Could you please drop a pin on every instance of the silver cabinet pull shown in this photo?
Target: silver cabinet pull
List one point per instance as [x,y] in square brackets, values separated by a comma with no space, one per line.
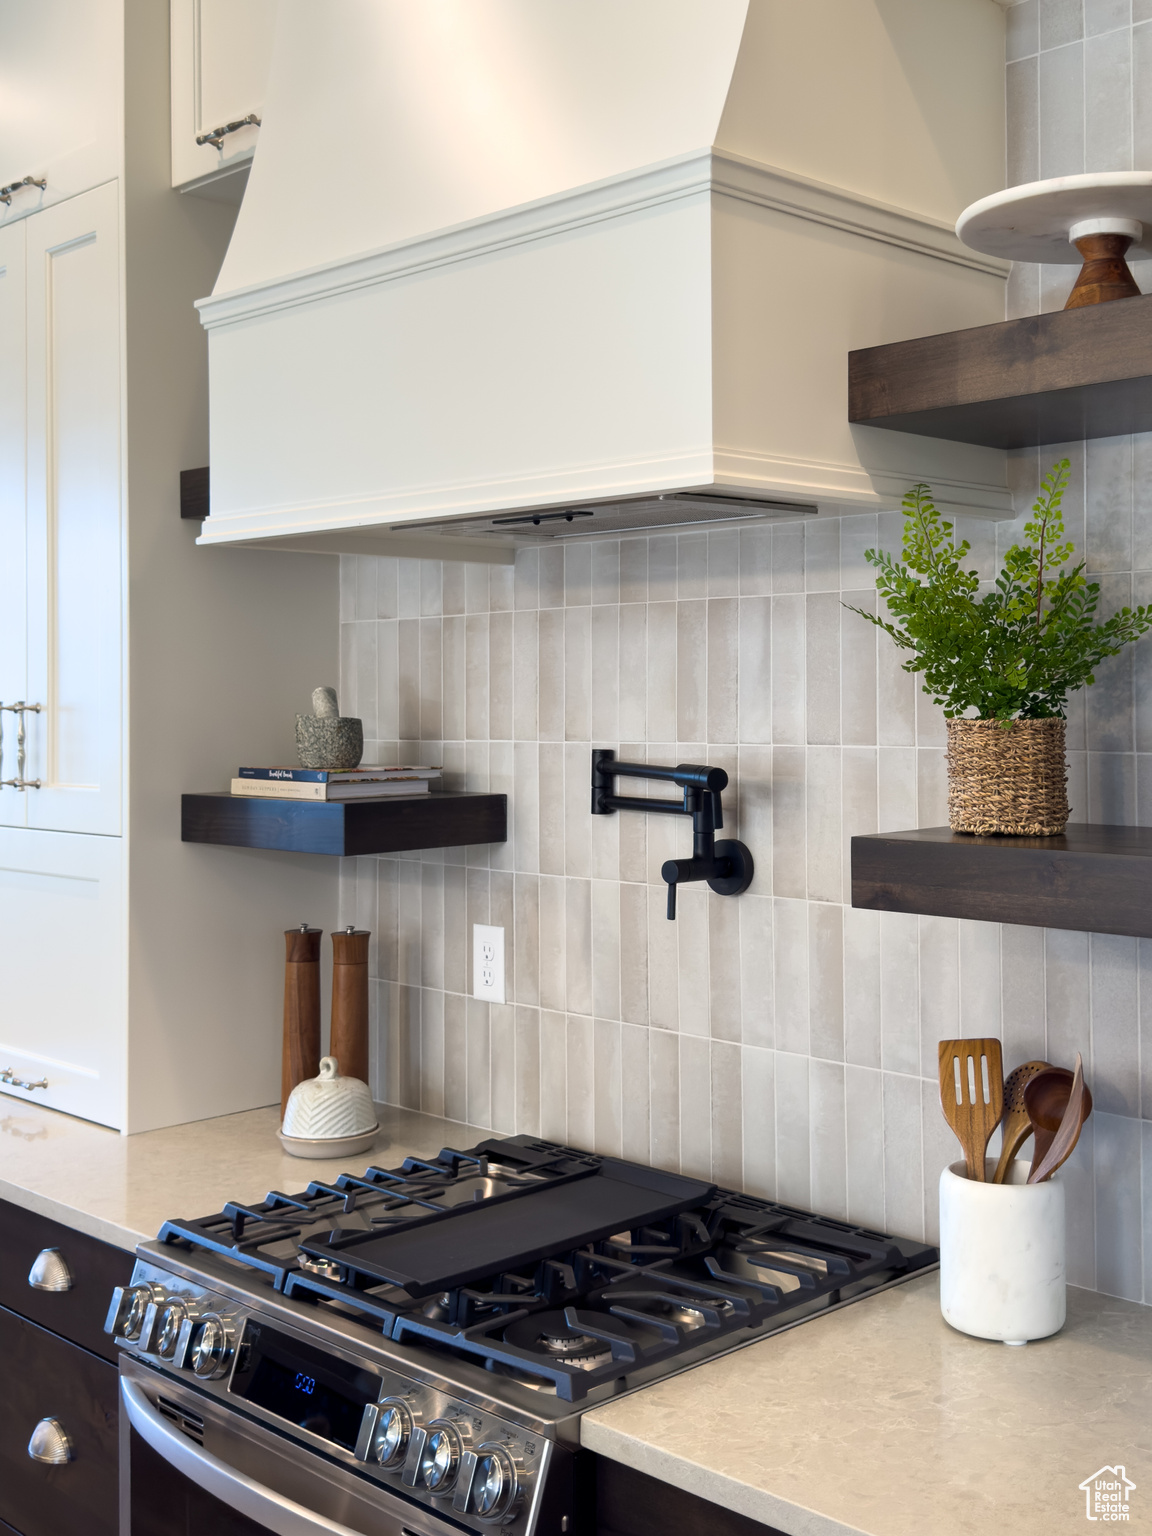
[50,1272]
[8,1078]
[14,186]
[19,782]
[49,1443]
[217,135]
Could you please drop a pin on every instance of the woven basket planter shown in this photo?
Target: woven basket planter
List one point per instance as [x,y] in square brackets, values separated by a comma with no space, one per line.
[1010,781]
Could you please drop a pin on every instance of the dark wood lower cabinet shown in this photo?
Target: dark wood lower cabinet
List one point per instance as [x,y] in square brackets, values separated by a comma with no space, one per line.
[46,1377]
[630,1503]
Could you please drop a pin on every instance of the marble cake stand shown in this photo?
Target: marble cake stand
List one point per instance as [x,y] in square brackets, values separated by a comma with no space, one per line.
[1096,219]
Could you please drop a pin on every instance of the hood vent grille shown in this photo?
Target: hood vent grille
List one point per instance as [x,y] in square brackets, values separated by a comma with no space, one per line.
[644,514]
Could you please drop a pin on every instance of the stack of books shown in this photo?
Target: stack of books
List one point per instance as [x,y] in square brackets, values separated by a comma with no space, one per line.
[331,783]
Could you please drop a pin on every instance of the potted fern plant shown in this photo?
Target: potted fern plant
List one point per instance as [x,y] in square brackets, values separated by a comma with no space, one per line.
[1003,661]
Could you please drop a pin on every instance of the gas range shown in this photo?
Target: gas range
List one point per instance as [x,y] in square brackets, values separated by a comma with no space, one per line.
[435,1330]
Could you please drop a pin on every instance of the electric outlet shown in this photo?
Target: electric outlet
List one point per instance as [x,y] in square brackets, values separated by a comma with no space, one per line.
[488,963]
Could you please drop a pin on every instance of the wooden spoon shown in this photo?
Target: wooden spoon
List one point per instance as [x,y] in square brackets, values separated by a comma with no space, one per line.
[1015,1128]
[1058,1104]
[972,1117]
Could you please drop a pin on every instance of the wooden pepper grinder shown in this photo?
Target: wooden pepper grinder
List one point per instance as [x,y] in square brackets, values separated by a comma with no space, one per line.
[301,1056]
[349,1043]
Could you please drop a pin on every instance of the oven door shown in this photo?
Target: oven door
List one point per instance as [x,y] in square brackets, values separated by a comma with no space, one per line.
[191,1464]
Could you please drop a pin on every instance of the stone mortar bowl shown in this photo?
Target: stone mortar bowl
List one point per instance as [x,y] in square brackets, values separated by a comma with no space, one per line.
[333,742]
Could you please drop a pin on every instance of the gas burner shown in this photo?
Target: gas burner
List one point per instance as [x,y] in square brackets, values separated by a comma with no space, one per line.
[548,1333]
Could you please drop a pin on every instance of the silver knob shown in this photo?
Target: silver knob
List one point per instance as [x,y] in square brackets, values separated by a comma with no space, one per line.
[495,1484]
[440,1462]
[129,1307]
[211,1347]
[50,1272]
[50,1444]
[170,1319]
[394,1425]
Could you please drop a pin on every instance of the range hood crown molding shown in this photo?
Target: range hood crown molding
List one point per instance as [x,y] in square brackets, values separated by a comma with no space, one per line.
[675,326]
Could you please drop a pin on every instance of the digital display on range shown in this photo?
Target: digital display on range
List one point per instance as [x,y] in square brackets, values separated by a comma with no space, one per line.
[312,1390]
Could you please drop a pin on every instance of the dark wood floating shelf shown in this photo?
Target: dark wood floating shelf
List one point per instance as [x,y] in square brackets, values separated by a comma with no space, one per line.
[445,820]
[1052,378]
[1095,878]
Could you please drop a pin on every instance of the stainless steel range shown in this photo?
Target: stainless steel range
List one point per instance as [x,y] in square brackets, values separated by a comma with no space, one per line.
[409,1351]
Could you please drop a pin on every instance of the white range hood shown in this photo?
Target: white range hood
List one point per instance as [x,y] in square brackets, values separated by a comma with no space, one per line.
[500,261]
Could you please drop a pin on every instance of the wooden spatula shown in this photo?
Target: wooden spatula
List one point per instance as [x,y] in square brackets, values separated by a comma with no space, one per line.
[972,1109]
[1015,1126]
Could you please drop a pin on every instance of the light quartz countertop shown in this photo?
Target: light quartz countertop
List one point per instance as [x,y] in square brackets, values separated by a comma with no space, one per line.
[123,1188]
[880,1419]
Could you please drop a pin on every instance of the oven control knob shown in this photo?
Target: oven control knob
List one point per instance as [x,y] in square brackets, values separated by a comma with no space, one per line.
[495,1484]
[129,1307]
[212,1346]
[395,1421]
[447,1441]
[171,1316]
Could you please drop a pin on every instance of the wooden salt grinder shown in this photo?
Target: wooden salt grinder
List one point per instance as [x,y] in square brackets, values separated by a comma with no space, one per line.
[349,1043]
[301,1055]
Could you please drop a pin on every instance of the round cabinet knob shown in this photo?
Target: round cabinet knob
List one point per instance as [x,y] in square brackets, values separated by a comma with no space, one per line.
[49,1444]
[495,1484]
[440,1464]
[50,1272]
[393,1432]
[211,1347]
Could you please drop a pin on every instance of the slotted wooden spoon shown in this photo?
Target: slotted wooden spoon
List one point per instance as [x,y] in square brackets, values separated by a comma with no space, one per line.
[971,1111]
[1015,1126]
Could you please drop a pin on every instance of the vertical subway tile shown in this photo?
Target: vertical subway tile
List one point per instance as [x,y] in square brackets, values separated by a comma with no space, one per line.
[1117,1167]
[1113,983]
[554,1076]
[724,562]
[691,566]
[721,691]
[578,673]
[550,577]
[552,945]
[862,987]
[606,571]
[751,811]
[526,940]
[822,668]
[790,951]
[608,1127]
[578,821]
[695,1106]
[722,966]
[528,1071]
[550,675]
[1061,98]
[823,792]
[578,945]
[634,953]
[754,669]
[476,672]
[692,958]
[980,996]
[788,557]
[789,856]
[432,1053]
[633,571]
[501,676]
[1023,120]
[635,1093]
[691,671]
[1061,21]
[1022,993]
[1141,97]
[903,1156]
[896,789]
[502,1029]
[581,1082]
[899,993]
[663,964]
[822,554]
[605,674]
[727,1116]
[552,808]
[858,770]
[788,710]
[793,1130]
[1108,101]
[756,971]
[455,1057]
[577,574]
[939,987]
[940,1151]
[1022,25]
[661,671]
[826,980]
[827,1151]
[858,672]
[662,555]
[758,1120]
[1069,1004]
[864,1146]
[756,560]
[606,949]
[526,671]
[664,1098]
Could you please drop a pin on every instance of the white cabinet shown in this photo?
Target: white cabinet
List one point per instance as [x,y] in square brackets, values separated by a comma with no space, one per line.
[221,55]
[74,548]
[61,72]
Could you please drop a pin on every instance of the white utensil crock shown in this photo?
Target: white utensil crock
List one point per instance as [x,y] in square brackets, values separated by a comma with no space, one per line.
[1002,1255]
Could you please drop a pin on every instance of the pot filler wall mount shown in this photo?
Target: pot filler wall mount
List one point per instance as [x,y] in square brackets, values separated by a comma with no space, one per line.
[726,865]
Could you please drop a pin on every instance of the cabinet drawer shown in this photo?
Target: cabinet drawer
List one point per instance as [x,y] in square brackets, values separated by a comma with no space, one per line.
[46,1377]
[96,1268]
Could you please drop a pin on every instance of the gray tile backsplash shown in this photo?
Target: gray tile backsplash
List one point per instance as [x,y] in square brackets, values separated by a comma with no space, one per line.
[784,1042]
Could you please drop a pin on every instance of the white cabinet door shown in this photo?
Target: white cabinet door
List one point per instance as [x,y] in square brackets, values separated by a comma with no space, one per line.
[74,522]
[62,1020]
[61,94]
[221,53]
[13,617]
